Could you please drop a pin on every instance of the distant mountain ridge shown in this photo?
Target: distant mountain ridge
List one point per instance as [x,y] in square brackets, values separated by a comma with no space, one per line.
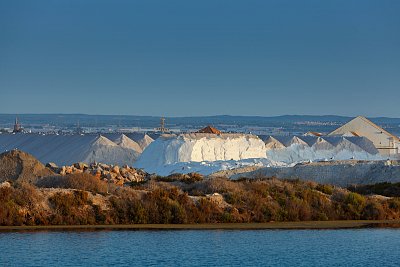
[72,120]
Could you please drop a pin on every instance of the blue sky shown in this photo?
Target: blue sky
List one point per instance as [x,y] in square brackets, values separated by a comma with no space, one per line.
[179,58]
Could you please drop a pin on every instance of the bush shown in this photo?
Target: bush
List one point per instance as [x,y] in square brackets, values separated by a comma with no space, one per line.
[9,209]
[72,208]
[164,206]
[66,202]
[178,177]
[384,189]
[128,209]
[79,181]
[373,211]
[324,188]
[353,205]
[394,204]
[354,199]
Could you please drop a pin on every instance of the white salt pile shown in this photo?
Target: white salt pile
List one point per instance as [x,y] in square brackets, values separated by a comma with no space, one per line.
[68,149]
[105,151]
[128,143]
[141,138]
[170,150]
[196,152]
[207,153]
[305,148]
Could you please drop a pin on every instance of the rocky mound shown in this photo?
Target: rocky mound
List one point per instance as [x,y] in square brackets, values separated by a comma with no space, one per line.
[16,165]
[110,173]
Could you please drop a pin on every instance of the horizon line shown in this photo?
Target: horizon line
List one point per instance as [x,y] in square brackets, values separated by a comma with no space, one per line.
[198,116]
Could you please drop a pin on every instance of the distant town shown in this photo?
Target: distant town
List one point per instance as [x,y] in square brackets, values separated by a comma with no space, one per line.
[80,123]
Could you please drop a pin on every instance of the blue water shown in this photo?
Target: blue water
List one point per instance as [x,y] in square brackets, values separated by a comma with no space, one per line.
[361,247]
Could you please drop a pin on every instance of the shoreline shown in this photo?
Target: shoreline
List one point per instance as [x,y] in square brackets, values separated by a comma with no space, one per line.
[302,225]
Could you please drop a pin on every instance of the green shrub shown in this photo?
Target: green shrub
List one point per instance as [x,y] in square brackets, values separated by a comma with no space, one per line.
[324,188]
[354,199]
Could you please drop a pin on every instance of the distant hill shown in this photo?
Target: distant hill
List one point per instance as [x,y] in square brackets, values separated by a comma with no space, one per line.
[71,120]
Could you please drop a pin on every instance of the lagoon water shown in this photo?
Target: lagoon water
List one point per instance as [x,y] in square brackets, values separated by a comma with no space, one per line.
[355,247]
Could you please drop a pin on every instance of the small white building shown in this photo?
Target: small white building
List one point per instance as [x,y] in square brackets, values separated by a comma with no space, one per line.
[386,143]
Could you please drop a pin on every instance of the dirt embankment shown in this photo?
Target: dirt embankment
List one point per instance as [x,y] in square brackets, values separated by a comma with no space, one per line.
[19,166]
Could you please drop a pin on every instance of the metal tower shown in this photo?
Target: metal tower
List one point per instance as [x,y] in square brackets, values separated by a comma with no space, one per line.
[162,126]
[17,126]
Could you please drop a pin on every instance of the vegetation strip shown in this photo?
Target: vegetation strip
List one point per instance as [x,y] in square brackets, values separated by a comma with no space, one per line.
[29,196]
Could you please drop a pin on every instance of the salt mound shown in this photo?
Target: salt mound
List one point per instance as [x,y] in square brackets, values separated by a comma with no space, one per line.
[322,144]
[142,139]
[199,147]
[145,141]
[103,141]
[273,143]
[364,143]
[310,140]
[290,140]
[68,149]
[16,165]
[125,142]
[318,143]
[325,148]
[106,151]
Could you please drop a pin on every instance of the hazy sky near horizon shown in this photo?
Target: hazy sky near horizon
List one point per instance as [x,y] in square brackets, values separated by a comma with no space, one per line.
[208,57]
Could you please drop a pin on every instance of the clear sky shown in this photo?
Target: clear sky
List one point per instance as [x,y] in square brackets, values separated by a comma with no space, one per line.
[207,57]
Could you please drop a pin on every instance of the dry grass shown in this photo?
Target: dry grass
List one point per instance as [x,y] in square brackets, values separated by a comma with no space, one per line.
[80,181]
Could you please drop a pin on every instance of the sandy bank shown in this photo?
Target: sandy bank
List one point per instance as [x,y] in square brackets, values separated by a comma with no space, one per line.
[217,226]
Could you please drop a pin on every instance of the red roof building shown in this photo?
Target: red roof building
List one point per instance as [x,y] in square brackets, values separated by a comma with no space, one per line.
[209,129]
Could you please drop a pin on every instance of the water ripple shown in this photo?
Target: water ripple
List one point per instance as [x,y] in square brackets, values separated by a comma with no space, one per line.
[362,247]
